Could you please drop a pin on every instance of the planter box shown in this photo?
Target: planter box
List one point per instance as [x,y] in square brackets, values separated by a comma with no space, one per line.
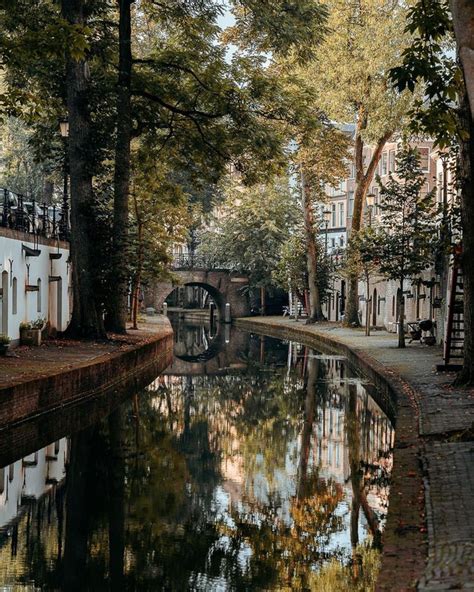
[4,348]
[30,337]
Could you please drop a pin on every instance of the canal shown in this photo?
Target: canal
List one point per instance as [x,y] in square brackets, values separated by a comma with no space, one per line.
[250,464]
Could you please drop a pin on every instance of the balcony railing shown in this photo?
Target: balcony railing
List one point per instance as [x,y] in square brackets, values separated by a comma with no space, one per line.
[21,213]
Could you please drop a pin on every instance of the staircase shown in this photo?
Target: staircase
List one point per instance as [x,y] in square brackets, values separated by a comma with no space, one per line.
[454,342]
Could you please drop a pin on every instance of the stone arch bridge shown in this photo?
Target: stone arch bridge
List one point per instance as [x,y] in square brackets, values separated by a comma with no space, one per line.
[224,287]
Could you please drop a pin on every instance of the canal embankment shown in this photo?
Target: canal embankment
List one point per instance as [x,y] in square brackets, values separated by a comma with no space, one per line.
[39,381]
[428,542]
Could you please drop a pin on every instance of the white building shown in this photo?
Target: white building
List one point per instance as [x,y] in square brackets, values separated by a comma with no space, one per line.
[35,281]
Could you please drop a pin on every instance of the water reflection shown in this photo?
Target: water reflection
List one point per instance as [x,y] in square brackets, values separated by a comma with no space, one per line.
[268,473]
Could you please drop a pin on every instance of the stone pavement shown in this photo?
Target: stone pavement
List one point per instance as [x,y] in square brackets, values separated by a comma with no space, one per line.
[445,446]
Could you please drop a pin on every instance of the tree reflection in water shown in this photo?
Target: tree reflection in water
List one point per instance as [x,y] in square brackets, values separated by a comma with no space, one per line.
[273,477]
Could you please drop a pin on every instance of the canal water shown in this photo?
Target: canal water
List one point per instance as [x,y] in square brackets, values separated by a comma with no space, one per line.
[250,464]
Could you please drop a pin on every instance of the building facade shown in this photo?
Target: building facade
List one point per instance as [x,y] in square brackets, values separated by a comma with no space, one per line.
[35,282]
[425,296]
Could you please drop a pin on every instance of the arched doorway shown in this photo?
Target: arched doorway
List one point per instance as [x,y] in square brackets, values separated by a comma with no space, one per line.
[4,307]
[374,308]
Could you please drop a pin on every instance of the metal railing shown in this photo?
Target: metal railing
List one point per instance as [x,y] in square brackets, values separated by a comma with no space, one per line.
[21,213]
[192,261]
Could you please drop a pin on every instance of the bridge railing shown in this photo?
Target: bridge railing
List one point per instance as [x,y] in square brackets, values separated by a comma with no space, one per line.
[189,261]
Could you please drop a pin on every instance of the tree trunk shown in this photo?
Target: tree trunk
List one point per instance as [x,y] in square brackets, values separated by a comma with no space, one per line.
[309,413]
[77,515]
[136,284]
[466,167]
[463,23]
[401,317]
[315,312]
[117,314]
[363,181]
[262,301]
[86,319]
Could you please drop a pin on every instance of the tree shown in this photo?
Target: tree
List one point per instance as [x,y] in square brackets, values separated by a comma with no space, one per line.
[118,307]
[158,219]
[447,115]
[86,315]
[363,259]
[177,88]
[322,158]
[366,39]
[407,227]
[291,272]
[250,229]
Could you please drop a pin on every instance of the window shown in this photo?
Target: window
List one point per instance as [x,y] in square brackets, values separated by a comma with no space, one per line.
[341,214]
[424,158]
[333,215]
[333,243]
[391,161]
[393,306]
[351,202]
[384,163]
[341,241]
[38,301]
[15,296]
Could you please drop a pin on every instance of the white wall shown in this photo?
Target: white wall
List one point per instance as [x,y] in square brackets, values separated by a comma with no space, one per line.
[18,269]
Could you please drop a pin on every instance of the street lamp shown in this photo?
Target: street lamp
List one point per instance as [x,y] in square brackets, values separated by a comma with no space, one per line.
[326,217]
[64,130]
[370,200]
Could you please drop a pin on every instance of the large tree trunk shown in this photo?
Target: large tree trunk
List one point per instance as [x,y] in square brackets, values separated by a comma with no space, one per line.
[363,180]
[315,312]
[87,314]
[117,314]
[77,516]
[466,167]
[463,23]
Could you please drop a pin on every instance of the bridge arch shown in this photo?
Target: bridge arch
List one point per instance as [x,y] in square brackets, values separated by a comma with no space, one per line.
[213,292]
[223,286]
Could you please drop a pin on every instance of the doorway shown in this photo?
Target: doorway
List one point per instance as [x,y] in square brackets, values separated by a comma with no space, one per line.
[4,307]
[374,308]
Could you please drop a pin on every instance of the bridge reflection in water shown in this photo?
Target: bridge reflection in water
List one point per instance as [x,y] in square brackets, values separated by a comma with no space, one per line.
[257,464]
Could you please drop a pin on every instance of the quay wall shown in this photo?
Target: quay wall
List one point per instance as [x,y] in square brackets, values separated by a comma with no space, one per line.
[34,398]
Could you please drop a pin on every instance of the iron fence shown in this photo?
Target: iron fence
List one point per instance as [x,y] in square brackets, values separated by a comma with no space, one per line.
[21,213]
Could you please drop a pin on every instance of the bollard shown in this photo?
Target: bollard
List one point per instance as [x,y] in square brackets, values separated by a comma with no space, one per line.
[227,333]
[227,317]
[165,309]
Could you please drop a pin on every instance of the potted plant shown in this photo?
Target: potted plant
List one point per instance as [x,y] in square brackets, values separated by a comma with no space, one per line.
[4,344]
[30,333]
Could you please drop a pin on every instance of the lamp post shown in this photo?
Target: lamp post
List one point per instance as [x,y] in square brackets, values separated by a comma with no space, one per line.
[327,217]
[370,200]
[64,227]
